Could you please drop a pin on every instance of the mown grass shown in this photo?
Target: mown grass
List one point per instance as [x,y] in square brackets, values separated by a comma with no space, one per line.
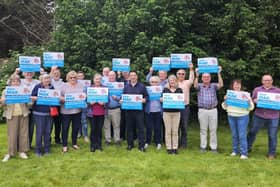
[118,167]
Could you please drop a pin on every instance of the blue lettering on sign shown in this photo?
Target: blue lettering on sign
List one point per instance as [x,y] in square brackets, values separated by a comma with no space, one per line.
[264,97]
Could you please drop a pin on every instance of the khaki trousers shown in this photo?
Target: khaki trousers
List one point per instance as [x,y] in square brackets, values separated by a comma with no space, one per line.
[18,139]
[171,123]
[114,116]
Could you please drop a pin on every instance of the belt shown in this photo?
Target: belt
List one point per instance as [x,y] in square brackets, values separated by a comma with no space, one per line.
[114,108]
[206,108]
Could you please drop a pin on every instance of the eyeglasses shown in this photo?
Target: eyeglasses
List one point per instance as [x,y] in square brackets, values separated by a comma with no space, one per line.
[154,81]
[73,77]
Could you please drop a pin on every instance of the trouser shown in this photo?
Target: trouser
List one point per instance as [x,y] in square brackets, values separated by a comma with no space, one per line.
[84,127]
[57,128]
[76,123]
[171,122]
[17,135]
[208,119]
[96,124]
[153,124]
[123,125]
[183,128]
[134,120]
[114,116]
[30,127]
[43,132]
[272,129]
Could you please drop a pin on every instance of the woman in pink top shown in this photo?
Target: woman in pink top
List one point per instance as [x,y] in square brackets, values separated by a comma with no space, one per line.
[97,119]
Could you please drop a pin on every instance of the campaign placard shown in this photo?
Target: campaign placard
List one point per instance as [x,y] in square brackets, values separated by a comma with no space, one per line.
[173,100]
[97,94]
[115,88]
[48,97]
[208,65]
[29,63]
[161,63]
[121,64]
[85,83]
[180,60]
[268,100]
[53,59]
[75,100]
[238,99]
[17,94]
[132,102]
[154,92]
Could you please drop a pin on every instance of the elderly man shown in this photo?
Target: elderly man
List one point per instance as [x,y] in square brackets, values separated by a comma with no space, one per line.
[185,85]
[114,114]
[265,117]
[207,109]
[161,74]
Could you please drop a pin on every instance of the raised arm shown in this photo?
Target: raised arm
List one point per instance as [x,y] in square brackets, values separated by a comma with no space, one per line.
[220,79]
[195,84]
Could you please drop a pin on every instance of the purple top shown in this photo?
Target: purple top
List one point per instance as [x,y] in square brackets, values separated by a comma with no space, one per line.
[207,96]
[262,112]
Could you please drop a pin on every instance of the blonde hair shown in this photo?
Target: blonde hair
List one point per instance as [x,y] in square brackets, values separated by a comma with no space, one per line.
[154,78]
[71,74]
[45,75]
[170,77]
[13,77]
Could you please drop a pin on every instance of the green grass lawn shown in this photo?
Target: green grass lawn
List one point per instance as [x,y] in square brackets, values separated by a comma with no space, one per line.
[118,167]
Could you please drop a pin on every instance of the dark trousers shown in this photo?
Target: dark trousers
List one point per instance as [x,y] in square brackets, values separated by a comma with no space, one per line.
[57,127]
[135,120]
[183,132]
[153,124]
[123,125]
[96,125]
[76,123]
[30,127]
[43,132]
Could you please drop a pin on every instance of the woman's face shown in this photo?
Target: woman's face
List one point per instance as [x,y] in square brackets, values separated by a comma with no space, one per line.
[236,86]
[172,83]
[72,79]
[97,81]
[15,82]
[46,81]
[154,82]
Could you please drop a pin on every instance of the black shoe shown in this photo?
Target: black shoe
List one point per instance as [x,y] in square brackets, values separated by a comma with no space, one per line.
[169,151]
[58,142]
[107,143]
[203,150]
[142,149]
[175,151]
[214,151]
[100,149]
[92,149]
[183,146]
[129,147]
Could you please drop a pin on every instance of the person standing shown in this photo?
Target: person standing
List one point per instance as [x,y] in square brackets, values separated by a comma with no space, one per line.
[265,117]
[135,117]
[238,119]
[207,109]
[185,85]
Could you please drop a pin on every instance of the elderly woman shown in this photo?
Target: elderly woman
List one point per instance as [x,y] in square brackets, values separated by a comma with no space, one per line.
[153,112]
[72,115]
[171,117]
[42,118]
[17,122]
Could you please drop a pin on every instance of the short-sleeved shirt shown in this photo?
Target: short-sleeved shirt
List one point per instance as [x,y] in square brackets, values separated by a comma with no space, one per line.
[207,96]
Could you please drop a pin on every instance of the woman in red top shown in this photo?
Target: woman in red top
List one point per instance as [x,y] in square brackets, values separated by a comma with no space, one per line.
[97,120]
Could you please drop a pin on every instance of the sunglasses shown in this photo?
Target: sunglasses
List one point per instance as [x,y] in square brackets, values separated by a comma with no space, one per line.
[72,77]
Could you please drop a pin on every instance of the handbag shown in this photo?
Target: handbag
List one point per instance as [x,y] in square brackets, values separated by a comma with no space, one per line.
[54,111]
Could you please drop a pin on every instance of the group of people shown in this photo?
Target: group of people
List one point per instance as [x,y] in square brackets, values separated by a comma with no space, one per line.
[120,124]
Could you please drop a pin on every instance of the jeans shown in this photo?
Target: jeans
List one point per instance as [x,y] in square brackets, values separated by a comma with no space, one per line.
[30,127]
[238,126]
[76,123]
[153,123]
[184,125]
[272,127]
[134,120]
[84,126]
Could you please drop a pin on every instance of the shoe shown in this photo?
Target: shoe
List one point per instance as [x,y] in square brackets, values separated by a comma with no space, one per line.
[92,149]
[142,149]
[169,151]
[118,143]
[100,149]
[243,157]
[146,145]
[6,158]
[175,151]
[38,155]
[79,135]
[86,139]
[203,150]
[271,157]
[158,146]
[76,147]
[47,153]
[64,150]
[107,143]
[214,151]
[58,142]
[183,146]
[233,154]
[23,155]
[129,147]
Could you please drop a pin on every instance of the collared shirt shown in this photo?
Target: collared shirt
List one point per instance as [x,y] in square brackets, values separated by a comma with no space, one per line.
[207,96]
[266,113]
[57,84]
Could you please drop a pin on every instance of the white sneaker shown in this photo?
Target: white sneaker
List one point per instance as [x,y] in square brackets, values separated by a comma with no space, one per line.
[158,146]
[146,146]
[243,157]
[233,154]
[23,155]
[6,158]
[86,139]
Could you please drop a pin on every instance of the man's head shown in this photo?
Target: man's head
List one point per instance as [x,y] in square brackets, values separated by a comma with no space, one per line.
[80,75]
[181,74]
[267,81]
[162,75]
[112,76]
[206,78]
[105,71]
[133,77]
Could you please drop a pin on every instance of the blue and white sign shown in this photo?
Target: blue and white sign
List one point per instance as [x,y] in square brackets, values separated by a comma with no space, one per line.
[115,88]
[268,100]
[97,94]
[85,83]
[173,101]
[29,63]
[75,100]
[161,63]
[180,60]
[208,65]
[17,94]
[238,99]
[48,97]
[132,102]
[121,64]
[53,59]
[154,92]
